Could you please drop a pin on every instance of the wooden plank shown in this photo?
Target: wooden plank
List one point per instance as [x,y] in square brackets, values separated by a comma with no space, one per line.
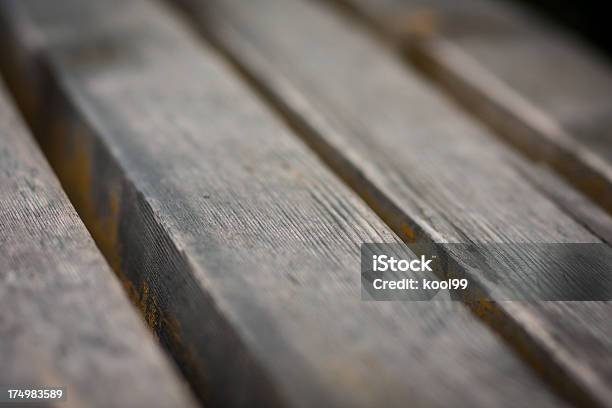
[413,20]
[583,210]
[64,320]
[427,170]
[544,92]
[242,247]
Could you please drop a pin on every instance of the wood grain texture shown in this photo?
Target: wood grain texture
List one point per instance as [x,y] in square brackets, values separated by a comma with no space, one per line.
[242,248]
[544,92]
[570,200]
[427,170]
[64,320]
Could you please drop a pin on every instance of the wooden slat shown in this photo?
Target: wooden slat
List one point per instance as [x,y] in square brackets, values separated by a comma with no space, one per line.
[575,204]
[241,246]
[64,320]
[544,92]
[430,173]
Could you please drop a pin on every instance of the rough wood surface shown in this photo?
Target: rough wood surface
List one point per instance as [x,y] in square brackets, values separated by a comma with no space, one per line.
[545,92]
[242,248]
[64,320]
[429,172]
[583,210]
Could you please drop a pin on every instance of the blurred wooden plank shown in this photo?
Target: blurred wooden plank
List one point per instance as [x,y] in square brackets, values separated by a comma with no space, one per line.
[427,170]
[64,320]
[583,210]
[242,247]
[544,92]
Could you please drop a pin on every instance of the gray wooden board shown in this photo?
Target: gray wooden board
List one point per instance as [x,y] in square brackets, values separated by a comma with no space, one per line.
[411,19]
[544,91]
[583,210]
[429,172]
[64,320]
[242,248]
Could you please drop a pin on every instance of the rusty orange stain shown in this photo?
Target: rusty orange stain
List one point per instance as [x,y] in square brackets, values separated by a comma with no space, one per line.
[408,232]
[417,24]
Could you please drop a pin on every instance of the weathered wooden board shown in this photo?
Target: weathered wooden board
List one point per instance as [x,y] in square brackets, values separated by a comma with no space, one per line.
[583,210]
[543,91]
[242,247]
[427,170]
[64,320]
